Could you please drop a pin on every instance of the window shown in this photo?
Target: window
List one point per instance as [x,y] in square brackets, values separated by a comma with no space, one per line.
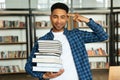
[2,3]
[46,4]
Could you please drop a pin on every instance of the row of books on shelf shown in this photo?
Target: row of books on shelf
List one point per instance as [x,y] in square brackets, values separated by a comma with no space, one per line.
[9,69]
[48,58]
[5,39]
[97,52]
[12,54]
[39,24]
[82,24]
[99,65]
[12,24]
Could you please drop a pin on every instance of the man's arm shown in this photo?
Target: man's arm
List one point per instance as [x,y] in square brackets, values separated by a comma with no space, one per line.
[98,33]
[29,64]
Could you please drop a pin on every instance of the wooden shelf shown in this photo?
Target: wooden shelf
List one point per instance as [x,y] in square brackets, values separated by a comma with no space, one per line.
[11,58]
[98,55]
[13,43]
[100,69]
[12,28]
[21,71]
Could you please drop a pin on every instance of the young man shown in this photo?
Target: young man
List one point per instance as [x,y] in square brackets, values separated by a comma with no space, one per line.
[74,55]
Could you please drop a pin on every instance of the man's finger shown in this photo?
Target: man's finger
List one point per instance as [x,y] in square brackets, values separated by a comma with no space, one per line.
[60,72]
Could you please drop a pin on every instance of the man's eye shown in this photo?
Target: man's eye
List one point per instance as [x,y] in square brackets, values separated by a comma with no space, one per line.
[54,16]
[63,17]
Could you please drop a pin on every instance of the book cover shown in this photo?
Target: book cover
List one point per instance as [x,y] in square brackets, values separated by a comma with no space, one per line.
[49,41]
[47,57]
[50,50]
[47,60]
[49,65]
[48,54]
[46,69]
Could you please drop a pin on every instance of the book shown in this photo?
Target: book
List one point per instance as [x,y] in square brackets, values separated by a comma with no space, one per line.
[46,60]
[1,23]
[44,46]
[50,50]
[47,56]
[44,54]
[51,46]
[9,68]
[49,65]
[46,69]
[37,24]
[49,41]
[100,51]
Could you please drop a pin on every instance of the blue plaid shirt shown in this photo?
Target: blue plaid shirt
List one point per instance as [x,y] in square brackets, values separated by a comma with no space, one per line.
[77,39]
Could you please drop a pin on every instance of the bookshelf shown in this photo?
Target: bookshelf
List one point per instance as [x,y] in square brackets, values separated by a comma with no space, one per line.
[13,41]
[117,36]
[114,33]
[41,24]
[41,18]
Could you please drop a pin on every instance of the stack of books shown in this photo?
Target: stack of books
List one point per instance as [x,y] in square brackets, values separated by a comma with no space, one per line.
[48,57]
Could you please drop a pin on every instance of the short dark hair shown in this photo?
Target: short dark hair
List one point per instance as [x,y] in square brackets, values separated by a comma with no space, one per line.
[59,5]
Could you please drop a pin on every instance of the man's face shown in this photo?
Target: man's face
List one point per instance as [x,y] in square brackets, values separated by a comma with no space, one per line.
[58,19]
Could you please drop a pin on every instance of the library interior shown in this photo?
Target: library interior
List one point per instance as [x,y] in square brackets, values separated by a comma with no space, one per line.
[31,49]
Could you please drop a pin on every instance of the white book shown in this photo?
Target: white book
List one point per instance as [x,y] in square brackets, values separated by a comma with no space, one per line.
[11,68]
[50,47]
[50,50]
[49,65]
[47,57]
[46,69]
[47,60]
[54,49]
[49,44]
[55,44]
[48,41]
[46,49]
[49,54]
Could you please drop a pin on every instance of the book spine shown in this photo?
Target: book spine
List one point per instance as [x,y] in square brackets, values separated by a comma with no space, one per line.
[46,60]
[47,57]
[49,65]
[46,69]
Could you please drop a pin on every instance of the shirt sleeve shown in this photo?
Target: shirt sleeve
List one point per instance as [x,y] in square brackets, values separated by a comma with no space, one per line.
[29,64]
[97,35]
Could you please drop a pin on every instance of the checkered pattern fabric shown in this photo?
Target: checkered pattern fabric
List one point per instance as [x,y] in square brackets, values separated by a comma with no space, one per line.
[77,40]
